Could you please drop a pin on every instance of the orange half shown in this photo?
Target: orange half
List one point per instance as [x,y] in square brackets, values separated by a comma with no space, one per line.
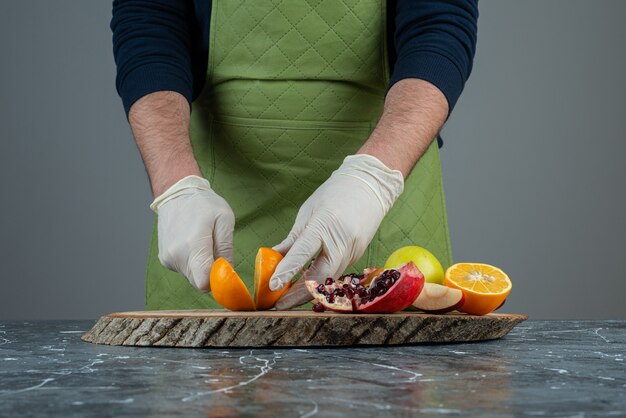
[228,289]
[485,287]
[264,265]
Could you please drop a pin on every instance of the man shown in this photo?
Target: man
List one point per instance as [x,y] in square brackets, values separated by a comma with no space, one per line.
[312,125]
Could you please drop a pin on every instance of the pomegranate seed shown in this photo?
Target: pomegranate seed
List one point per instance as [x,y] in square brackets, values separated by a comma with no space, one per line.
[330,298]
[389,282]
[321,289]
[318,307]
[329,281]
[339,292]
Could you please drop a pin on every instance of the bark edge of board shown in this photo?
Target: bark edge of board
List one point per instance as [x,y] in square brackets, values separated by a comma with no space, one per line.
[216,328]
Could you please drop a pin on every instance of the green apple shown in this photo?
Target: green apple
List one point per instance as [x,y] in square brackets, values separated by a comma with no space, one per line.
[424,260]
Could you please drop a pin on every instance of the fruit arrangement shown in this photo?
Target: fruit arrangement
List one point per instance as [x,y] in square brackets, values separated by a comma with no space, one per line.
[412,278]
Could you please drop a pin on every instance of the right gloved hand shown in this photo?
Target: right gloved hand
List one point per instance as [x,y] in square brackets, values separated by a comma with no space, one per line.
[195,226]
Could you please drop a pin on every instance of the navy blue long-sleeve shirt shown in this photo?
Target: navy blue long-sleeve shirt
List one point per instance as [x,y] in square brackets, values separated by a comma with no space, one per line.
[163,45]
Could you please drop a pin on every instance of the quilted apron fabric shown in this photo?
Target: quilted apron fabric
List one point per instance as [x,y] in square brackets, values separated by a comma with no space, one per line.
[292,87]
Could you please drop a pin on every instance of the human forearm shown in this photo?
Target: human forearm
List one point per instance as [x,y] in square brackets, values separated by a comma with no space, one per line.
[414,112]
[160,124]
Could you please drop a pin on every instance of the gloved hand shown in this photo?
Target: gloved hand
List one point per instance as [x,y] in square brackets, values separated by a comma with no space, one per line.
[195,226]
[340,218]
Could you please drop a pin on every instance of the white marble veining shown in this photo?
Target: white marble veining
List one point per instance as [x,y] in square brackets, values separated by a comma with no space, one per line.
[556,368]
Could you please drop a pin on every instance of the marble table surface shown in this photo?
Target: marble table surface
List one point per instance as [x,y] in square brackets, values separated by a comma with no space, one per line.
[542,368]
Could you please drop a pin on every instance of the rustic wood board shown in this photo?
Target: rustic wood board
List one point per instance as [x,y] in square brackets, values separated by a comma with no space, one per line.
[217,328]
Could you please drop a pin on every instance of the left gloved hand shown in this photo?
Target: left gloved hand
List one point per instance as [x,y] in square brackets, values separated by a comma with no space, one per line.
[340,218]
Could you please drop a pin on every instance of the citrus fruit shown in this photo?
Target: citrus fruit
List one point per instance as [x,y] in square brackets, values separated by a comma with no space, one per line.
[485,287]
[228,289]
[264,265]
[424,260]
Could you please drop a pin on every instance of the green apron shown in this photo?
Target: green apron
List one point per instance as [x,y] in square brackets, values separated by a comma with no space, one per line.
[293,87]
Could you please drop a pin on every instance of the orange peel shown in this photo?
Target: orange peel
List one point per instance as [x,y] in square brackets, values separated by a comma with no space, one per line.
[231,292]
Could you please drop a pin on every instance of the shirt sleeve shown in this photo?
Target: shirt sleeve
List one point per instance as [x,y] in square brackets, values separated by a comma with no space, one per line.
[151,46]
[435,40]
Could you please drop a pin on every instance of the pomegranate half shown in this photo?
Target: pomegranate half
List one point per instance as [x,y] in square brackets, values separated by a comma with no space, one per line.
[390,291]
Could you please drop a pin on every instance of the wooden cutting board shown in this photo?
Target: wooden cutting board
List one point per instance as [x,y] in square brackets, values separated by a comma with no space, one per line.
[217,328]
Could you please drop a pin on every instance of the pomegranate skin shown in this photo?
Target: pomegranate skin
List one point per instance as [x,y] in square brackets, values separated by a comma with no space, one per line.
[401,295]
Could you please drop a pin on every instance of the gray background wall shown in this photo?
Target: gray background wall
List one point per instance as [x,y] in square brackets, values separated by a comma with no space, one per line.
[533,162]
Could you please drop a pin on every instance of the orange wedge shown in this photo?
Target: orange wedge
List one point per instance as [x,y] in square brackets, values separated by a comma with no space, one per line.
[231,292]
[264,265]
[228,289]
[485,287]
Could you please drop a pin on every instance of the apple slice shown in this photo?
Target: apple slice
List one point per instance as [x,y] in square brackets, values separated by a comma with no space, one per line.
[436,298]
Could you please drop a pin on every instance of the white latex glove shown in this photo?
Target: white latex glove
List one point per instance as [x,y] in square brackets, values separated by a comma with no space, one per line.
[195,227]
[340,219]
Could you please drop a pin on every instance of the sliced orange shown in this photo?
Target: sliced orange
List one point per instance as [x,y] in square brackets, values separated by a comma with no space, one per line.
[264,265]
[228,289]
[485,287]
[231,292]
